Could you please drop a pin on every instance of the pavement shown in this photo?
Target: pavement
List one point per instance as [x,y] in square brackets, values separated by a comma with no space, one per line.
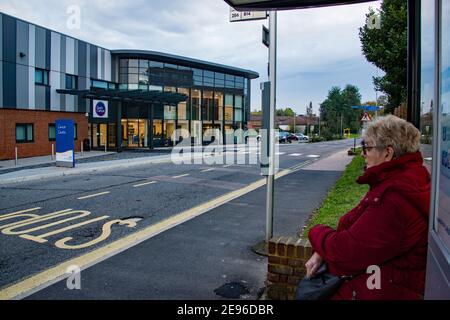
[211,256]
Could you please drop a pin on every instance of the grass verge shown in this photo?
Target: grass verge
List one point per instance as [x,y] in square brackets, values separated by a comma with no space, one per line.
[344,196]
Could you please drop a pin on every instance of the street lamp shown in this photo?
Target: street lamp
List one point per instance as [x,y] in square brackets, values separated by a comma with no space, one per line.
[295,115]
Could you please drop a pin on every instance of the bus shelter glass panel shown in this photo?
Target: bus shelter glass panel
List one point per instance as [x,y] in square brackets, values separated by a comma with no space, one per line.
[428,69]
[443,214]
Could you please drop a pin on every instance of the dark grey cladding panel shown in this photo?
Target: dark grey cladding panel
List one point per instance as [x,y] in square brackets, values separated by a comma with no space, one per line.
[48,49]
[82,55]
[23,43]
[62,84]
[1,85]
[47,98]
[1,60]
[41,39]
[23,91]
[40,97]
[1,37]
[9,85]
[94,59]
[9,39]
[80,104]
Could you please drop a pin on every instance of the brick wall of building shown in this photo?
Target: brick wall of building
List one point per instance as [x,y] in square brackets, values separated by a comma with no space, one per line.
[287,259]
[40,120]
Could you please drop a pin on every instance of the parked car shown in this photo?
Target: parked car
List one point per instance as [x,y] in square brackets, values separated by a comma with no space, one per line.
[302,137]
[293,137]
[284,137]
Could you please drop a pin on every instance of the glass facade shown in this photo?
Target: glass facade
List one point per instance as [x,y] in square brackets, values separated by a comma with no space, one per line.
[215,100]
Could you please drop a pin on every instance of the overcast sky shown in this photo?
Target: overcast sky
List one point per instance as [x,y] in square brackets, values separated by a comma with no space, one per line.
[317,48]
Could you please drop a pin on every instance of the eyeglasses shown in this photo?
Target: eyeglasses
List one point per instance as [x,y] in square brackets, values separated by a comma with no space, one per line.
[366,148]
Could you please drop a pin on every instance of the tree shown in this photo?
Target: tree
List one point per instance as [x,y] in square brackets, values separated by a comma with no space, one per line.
[309,110]
[288,112]
[337,106]
[309,114]
[387,49]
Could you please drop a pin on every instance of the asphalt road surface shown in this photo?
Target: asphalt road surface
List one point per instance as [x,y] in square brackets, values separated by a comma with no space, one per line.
[88,211]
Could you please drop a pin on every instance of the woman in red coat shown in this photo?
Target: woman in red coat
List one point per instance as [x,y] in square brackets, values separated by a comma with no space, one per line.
[389,228]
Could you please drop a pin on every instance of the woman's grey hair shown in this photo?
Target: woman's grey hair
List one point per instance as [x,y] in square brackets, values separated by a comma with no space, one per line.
[397,133]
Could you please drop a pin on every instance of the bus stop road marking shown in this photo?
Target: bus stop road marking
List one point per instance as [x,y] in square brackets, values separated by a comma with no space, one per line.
[55,274]
[94,195]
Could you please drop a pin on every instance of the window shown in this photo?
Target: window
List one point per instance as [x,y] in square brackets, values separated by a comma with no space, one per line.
[143,64]
[52,132]
[229,108]
[24,133]
[71,82]
[182,106]
[41,77]
[99,84]
[238,108]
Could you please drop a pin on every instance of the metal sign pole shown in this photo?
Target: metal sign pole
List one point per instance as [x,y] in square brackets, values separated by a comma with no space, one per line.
[273,86]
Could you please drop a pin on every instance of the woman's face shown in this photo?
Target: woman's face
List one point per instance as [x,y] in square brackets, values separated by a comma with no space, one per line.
[375,155]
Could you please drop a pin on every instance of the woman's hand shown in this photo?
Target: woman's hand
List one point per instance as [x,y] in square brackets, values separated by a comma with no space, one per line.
[313,265]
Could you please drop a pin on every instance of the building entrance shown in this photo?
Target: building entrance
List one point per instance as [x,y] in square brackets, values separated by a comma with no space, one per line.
[135,133]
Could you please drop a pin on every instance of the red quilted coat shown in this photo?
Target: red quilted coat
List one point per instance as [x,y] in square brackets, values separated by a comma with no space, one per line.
[389,228]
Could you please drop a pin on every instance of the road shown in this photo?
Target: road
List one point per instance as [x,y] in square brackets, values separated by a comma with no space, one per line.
[88,211]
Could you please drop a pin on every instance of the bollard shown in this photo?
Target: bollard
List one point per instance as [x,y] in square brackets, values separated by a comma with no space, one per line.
[17,158]
[82,149]
[106,148]
[53,152]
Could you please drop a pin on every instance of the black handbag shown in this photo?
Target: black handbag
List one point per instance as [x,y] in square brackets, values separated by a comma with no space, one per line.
[320,287]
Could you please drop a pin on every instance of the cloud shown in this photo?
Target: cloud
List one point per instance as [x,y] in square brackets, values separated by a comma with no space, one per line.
[317,48]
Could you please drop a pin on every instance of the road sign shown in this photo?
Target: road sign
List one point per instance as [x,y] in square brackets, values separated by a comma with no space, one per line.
[266,37]
[65,147]
[367,108]
[236,16]
[366,118]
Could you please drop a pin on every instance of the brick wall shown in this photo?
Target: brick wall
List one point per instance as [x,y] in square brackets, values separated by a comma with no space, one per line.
[40,119]
[287,259]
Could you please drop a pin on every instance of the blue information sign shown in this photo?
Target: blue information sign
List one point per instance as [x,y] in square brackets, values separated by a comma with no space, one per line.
[65,145]
[367,108]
